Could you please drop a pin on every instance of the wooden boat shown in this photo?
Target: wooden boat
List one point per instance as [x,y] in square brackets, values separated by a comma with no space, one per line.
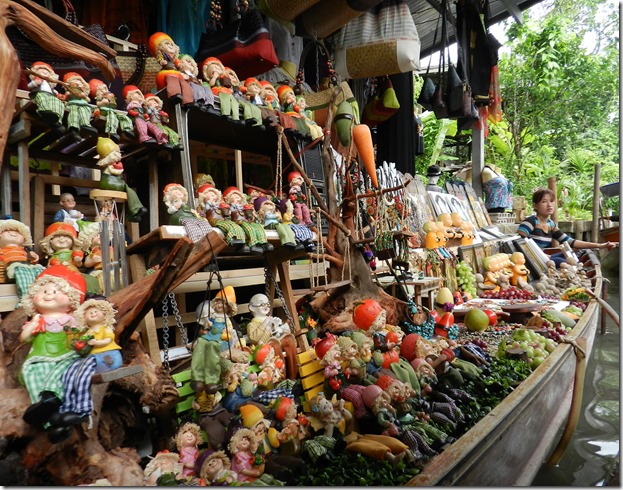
[508,446]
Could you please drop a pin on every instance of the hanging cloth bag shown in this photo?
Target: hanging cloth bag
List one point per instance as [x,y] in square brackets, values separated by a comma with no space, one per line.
[382,41]
[383,105]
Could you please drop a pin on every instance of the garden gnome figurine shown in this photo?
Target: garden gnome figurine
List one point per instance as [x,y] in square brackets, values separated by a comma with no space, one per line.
[167,54]
[42,91]
[134,100]
[77,100]
[295,194]
[107,103]
[68,212]
[175,197]
[111,179]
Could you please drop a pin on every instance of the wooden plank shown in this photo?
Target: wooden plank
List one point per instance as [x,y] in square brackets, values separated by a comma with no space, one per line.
[310,368]
[119,373]
[38,228]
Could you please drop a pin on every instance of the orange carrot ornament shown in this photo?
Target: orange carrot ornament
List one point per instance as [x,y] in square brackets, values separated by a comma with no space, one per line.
[363,142]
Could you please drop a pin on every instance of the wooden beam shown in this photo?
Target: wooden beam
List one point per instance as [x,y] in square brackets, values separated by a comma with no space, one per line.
[24,183]
[67,29]
[513,10]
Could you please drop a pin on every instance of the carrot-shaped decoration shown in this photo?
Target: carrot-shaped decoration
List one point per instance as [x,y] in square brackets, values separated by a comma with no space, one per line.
[343,120]
[363,142]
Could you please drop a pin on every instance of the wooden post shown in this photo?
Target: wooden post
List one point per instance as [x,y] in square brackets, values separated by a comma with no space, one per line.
[596,196]
[478,160]
[5,186]
[238,169]
[154,197]
[551,185]
[24,183]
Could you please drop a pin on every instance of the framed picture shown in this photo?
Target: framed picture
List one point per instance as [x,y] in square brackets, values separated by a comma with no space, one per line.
[439,203]
[479,255]
[534,262]
[466,254]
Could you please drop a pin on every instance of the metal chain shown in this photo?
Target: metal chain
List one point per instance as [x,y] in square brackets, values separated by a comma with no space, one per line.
[270,278]
[178,319]
[165,335]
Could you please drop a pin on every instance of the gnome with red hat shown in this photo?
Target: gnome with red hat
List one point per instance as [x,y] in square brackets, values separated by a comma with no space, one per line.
[295,194]
[167,53]
[58,245]
[254,232]
[153,112]
[134,99]
[77,100]
[59,389]
[42,91]
[107,103]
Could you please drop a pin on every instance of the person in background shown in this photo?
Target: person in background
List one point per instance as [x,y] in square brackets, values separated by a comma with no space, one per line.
[542,229]
[497,189]
[433,173]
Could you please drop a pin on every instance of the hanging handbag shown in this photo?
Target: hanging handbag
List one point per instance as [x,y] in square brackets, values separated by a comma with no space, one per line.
[383,105]
[425,99]
[243,45]
[382,41]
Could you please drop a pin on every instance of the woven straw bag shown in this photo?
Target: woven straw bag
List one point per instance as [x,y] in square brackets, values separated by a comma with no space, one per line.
[285,9]
[382,41]
[138,68]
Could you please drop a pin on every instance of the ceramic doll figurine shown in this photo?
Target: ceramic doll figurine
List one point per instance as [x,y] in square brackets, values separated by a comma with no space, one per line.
[270,368]
[295,194]
[213,418]
[111,178]
[302,234]
[481,286]
[433,239]
[331,416]
[214,467]
[263,326]
[50,303]
[202,94]
[58,245]
[153,112]
[520,271]
[254,232]
[214,73]
[77,100]
[167,54]
[287,100]
[209,207]
[96,319]
[134,100]
[251,113]
[246,462]
[43,93]
[175,198]
[164,469]
[187,441]
[446,226]
[269,96]
[18,260]
[468,233]
[283,467]
[271,218]
[301,107]
[206,362]
[328,352]
[355,368]
[253,90]
[68,212]
[107,103]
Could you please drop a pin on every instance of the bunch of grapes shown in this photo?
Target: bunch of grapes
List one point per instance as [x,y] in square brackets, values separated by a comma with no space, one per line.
[512,292]
[536,346]
[580,304]
[556,334]
[465,278]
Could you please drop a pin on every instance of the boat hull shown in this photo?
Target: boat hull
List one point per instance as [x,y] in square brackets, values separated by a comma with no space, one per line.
[508,446]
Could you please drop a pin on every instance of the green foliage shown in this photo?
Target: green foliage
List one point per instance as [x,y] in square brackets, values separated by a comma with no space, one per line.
[560,101]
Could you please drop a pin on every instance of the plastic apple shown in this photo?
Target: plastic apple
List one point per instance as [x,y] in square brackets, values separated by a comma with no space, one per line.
[493,317]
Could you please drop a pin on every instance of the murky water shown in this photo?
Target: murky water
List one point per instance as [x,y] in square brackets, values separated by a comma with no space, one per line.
[595,447]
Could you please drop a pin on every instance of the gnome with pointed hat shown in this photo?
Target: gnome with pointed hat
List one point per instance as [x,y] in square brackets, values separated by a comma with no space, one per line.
[111,179]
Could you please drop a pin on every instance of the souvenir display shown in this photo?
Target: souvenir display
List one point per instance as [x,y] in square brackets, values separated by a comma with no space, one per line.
[135,100]
[202,94]
[106,101]
[76,98]
[214,74]
[254,232]
[152,107]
